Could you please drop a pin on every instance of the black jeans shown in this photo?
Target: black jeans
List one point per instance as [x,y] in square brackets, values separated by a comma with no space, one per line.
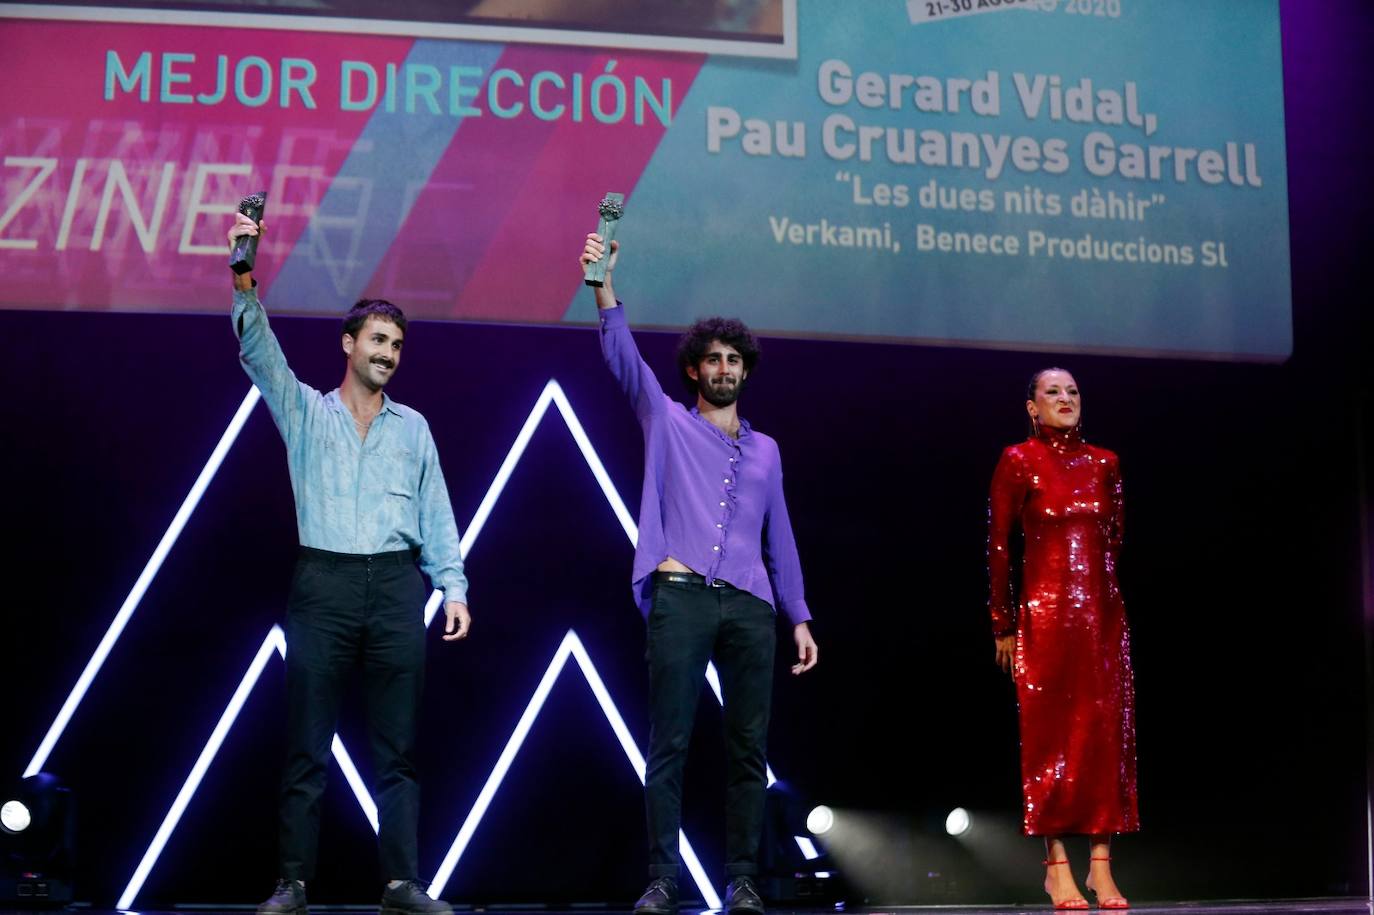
[688,625]
[345,611]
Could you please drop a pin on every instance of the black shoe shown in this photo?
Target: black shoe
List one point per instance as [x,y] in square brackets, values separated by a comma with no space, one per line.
[409,898]
[743,896]
[659,899]
[287,899]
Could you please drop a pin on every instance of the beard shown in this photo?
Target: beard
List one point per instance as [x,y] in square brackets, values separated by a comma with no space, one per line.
[719,395]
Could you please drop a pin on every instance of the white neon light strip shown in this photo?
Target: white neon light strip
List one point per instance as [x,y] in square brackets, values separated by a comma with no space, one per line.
[571,646]
[589,454]
[150,570]
[713,678]
[436,600]
[552,393]
[627,743]
[355,781]
[275,640]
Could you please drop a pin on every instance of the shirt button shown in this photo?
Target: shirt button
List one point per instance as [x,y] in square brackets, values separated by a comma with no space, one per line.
[722,505]
[727,479]
[716,548]
[718,524]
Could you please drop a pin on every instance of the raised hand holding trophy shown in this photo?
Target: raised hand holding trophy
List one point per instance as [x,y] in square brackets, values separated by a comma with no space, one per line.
[246,248]
[611,208]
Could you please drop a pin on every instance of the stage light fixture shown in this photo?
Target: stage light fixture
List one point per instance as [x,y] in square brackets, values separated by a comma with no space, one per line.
[36,827]
[126,611]
[15,817]
[958,822]
[820,820]
[793,870]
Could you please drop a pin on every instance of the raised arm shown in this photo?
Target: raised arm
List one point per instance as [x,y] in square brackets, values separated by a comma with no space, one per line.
[259,352]
[618,347]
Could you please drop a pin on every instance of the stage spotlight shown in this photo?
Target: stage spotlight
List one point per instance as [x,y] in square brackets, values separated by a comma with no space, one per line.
[36,826]
[820,820]
[958,822]
[15,817]
[794,870]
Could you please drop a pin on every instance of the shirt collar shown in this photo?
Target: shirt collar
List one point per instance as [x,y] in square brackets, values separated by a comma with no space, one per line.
[745,430]
[388,405]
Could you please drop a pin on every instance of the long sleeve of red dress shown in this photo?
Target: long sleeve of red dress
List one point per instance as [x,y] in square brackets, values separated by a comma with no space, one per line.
[1004,511]
[1072,667]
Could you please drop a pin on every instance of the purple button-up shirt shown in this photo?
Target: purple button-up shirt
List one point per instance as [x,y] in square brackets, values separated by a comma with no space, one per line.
[712,502]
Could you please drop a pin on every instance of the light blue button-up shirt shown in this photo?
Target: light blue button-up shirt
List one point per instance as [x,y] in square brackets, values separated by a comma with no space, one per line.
[353,496]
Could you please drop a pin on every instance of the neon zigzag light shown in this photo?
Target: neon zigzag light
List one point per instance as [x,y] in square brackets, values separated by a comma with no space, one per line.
[553,393]
[571,646]
[164,546]
[276,640]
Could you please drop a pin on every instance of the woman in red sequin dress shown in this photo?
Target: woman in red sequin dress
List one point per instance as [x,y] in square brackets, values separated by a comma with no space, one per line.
[1065,641]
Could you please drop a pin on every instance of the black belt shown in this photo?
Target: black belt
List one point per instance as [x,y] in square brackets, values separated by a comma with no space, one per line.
[690,578]
[395,557]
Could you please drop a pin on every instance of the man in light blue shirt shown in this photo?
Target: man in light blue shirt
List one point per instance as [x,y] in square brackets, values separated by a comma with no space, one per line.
[370,501]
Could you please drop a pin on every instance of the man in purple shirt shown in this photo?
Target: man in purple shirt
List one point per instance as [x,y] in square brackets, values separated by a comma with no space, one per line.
[715,557]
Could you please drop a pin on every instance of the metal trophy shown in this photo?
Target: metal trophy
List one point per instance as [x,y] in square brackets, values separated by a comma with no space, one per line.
[611,208]
[246,248]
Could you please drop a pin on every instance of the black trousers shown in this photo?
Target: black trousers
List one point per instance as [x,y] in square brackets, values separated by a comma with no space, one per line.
[348,611]
[688,625]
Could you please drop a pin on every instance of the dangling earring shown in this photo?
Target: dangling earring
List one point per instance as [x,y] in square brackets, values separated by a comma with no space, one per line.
[1035,425]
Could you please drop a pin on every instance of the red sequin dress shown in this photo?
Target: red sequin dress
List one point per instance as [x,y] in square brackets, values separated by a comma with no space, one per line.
[1073,665]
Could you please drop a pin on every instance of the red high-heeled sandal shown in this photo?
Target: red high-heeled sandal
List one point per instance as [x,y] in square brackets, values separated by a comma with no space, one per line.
[1111,902]
[1077,904]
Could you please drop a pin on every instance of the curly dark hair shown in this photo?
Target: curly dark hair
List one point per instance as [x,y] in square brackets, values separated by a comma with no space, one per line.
[365,308]
[691,349]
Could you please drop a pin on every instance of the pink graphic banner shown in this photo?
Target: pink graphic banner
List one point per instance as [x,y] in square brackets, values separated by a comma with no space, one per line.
[431,172]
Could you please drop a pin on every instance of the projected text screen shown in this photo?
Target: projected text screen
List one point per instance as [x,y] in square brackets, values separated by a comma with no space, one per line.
[1102,175]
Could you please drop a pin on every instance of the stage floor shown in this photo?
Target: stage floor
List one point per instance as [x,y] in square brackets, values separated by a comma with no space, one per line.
[1211,907]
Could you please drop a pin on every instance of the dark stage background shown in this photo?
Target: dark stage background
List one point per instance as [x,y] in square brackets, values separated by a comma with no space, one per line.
[1242,576]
